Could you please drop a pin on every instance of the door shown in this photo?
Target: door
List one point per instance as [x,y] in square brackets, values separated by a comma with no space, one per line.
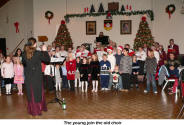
[3,46]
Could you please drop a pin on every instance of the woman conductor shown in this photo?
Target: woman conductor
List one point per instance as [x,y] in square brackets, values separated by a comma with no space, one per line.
[33,76]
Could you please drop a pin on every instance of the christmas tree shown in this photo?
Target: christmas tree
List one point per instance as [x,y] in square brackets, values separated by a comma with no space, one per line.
[144,35]
[63,36]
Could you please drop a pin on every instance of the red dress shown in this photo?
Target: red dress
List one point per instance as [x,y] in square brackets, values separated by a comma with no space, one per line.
[71,68]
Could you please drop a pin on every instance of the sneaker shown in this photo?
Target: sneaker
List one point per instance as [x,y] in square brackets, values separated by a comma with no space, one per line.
[145,91]
[155,92]
[21,93]
[93,90]
[107,89]
[96,90]
[6,93]
[103,89]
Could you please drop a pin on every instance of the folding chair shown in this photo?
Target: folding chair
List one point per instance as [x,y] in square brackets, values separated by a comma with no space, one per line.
[167,81]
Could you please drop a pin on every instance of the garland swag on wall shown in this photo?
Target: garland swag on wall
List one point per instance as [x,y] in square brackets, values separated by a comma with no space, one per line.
[140,12]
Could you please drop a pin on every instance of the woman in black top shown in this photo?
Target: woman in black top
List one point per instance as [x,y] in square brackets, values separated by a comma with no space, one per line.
[33,76]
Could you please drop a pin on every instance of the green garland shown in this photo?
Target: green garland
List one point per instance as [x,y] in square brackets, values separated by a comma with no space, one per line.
[140,12]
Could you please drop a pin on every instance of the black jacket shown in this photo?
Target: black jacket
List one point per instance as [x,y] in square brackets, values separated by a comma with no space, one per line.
[33,74]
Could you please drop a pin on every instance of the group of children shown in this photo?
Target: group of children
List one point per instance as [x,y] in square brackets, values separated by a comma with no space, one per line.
[111,66]
[12,72]
[81,68]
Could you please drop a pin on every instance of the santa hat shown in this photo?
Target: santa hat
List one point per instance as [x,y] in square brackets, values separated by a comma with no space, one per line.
[120,48]
[110,48]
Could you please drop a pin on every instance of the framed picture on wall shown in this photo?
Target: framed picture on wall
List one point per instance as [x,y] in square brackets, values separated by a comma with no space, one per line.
[90,27]
[125,27]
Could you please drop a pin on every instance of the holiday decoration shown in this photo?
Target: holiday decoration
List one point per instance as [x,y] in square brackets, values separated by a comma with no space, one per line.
[107,25]
[63,36]
[16,24]
[143,35]
[49,15]
[122,8]
[130,7]
[86,10]
[127,7]
[101,9]
[108,16]
[170,9]
[92,10]
[114,6]
[140,12]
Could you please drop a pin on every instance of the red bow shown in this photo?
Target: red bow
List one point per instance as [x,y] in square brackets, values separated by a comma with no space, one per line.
[169,13]
[16,24]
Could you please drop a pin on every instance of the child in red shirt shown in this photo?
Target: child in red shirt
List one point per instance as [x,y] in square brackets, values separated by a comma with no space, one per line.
[71,68]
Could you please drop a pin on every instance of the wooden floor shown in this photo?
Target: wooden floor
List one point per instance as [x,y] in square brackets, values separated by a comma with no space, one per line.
[102,105]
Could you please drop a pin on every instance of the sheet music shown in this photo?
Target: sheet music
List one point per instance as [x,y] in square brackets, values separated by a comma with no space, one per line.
[60,59]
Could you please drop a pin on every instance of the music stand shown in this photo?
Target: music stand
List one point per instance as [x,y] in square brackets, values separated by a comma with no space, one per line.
[55,61]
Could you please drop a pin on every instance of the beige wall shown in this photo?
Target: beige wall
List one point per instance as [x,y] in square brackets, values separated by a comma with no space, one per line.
[77,26]
[22,12]
[30,14]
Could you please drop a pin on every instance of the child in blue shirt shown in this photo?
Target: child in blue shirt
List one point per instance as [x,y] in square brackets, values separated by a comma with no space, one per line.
[64,76]
[105,67]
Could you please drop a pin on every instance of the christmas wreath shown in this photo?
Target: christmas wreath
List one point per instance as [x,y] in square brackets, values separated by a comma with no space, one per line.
[170,9]
[49,15]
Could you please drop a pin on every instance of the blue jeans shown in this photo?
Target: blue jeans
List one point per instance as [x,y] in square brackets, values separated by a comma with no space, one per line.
[151,78]
[104,80]
[2,83]
[65,82]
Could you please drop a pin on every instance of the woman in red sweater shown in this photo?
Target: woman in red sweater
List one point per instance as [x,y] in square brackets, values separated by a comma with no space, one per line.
[71,68]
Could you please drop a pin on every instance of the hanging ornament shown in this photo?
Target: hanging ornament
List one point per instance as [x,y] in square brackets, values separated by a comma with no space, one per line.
[16,24]
[122,8]
[107,25]
[130,7]
[101,9]
[170,9]
[49,15]
[109,16]
[92,10]
[86,10]
[127,7]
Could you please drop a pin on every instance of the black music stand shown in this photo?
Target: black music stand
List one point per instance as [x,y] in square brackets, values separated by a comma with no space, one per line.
[55,61]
